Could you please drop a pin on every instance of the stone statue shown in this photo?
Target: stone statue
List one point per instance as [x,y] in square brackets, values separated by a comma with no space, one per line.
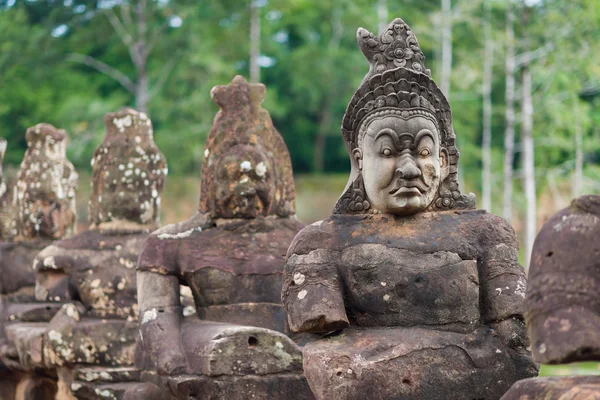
[419,295]
[44,208]
[231,255]
[7,222]
[91,340]
[562,307]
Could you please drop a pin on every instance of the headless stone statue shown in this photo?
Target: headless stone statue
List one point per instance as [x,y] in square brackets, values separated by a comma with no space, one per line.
[44,208]
[418,294]
[562,306]
[231,255]
[91,340]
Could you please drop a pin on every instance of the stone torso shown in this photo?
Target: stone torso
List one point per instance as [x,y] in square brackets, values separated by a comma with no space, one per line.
[100,268]
[235,269]
[409,271]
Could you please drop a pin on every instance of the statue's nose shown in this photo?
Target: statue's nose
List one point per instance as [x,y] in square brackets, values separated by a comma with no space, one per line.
[407,169]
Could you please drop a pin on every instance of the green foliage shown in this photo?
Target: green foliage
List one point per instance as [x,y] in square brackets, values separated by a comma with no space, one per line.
[314,73]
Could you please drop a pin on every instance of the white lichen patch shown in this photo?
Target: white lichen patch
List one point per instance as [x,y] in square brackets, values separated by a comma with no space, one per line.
[261,169]
[55,336]
[180,235]
[122,123]
[107,394]
[383,283]
[302,294]
[299,278]
[150,315]
[189,310]
[49,262]
[386,297]
[520,290]
[206,153]
[245,166]
[71,311]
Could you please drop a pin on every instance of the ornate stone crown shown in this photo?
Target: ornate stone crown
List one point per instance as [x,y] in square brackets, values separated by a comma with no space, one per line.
[398,83]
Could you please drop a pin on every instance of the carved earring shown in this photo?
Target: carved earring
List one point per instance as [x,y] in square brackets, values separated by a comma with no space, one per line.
[357,153]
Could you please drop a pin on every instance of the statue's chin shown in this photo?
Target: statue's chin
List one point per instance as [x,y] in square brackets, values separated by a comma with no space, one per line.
[404,205]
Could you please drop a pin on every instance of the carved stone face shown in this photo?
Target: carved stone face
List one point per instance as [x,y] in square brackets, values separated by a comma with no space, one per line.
[402,164]
[243,184]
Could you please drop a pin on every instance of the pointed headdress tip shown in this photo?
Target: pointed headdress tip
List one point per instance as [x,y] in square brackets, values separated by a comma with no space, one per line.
[395,47]
[42,130]
[226,95]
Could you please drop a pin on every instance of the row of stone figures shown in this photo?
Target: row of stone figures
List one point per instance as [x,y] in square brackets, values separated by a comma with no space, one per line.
[404,292]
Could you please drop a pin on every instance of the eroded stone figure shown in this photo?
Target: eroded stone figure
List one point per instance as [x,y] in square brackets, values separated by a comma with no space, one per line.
[231,255]
[418,294]
[44,210]
[91,340]
[8,224]
[562,303]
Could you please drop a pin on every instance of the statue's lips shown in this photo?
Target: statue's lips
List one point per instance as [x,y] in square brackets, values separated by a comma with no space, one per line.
[407,191]
[408,188]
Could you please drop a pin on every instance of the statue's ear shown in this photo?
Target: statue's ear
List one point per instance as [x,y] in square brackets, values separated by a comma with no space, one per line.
[444,169]
[358,156]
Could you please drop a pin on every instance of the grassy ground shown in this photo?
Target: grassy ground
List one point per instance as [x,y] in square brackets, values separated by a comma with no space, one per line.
[315,197]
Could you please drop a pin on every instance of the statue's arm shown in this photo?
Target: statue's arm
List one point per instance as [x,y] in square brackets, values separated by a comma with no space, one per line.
[160,322]
[52,268]
[503,282]
[160,312]
[312,293]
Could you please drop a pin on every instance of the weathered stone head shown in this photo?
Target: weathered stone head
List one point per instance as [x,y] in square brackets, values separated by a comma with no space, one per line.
[562,301]
[128,174]
[7,222]
[398,133]
[247,170]
[44,195]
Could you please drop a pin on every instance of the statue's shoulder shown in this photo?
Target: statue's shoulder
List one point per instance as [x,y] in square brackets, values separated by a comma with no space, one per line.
[181,230]
[318,235]
[492,228]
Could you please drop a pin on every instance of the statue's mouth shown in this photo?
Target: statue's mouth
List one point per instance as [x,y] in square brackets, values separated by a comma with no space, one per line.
[407,188]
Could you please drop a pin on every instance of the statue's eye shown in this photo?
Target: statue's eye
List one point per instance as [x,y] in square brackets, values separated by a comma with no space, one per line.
[424,153]
[386,152]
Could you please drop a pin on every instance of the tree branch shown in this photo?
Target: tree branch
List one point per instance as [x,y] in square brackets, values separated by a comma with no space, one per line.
[166,71]
[119,28]
[105,69]
[530,56]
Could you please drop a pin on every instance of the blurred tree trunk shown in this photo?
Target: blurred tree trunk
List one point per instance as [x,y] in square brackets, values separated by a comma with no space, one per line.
[486,153]
[509,133]
[254,41]
[382,14]
[528,162]
[140,58]
[446,47]
[139,41]
[329,79]
[578,156]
